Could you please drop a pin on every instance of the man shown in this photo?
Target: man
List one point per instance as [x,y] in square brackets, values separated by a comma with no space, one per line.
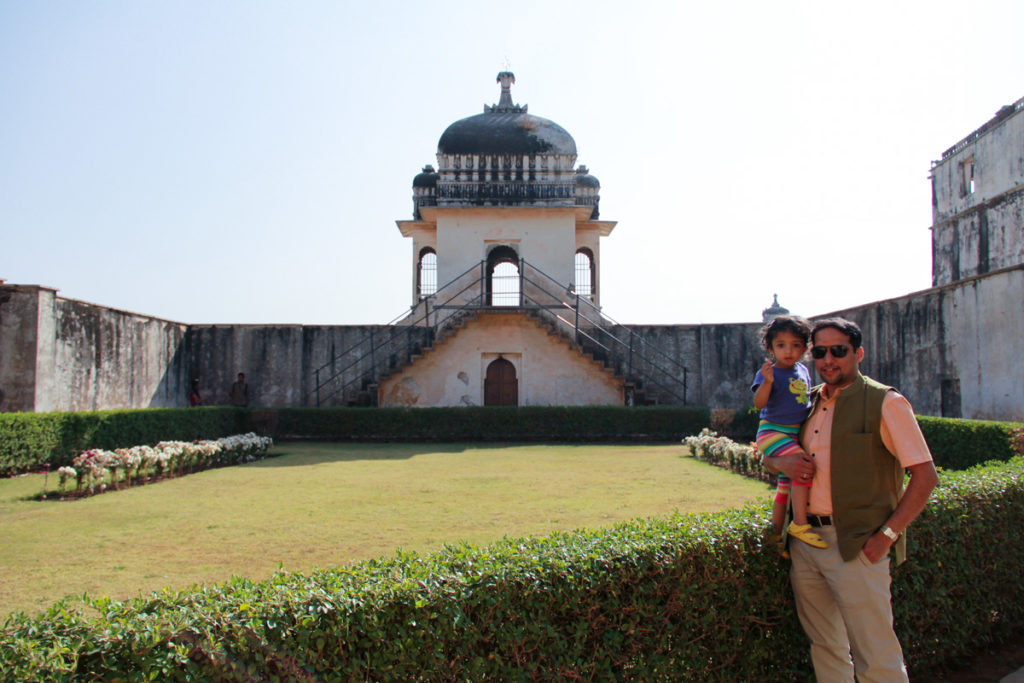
[858,440]
[240,392]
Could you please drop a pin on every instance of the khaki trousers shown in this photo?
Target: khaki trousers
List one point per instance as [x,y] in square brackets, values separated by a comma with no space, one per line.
[845,607]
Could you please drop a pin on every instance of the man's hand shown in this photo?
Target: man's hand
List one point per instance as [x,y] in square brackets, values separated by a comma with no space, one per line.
[798,466]
[923,479]
[877,547]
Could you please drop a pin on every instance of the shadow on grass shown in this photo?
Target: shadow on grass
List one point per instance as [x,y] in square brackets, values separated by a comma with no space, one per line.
[304,453]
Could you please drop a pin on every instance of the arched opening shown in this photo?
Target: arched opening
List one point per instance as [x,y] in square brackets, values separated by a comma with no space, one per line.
[585,279]
[426,273]
[500,385]
[503,277]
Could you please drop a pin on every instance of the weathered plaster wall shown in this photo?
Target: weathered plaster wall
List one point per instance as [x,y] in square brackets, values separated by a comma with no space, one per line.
[953,350]
[95,358]
[985,238]
[62,354]
[978,200]
[549,372]
[546,238]
[280,362]
[19,323]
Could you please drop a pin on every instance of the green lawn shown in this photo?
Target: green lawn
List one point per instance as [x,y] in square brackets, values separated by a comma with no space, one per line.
[320,505]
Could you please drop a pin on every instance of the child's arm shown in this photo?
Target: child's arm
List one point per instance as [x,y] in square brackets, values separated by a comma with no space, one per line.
[764,390]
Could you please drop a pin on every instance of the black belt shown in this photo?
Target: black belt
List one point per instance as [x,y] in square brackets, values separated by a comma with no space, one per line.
[819,520]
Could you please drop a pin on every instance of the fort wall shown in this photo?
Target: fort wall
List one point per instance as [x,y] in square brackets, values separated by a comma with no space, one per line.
[952,350]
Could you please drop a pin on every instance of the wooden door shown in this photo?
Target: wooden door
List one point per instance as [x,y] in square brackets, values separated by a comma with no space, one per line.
[500,385]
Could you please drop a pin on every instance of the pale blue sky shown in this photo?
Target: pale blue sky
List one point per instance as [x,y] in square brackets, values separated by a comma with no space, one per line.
[245,161]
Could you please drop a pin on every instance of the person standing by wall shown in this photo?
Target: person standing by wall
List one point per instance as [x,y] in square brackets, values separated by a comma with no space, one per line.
[859,440]
[239,392]
[194,398]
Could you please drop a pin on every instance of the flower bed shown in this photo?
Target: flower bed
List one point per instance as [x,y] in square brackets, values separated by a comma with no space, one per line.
[722,451]
[95,471]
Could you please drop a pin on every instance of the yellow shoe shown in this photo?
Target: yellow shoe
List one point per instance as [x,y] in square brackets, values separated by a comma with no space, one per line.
[780,544]
[804,533]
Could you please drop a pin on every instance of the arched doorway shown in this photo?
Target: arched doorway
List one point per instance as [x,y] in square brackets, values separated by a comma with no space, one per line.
[500,385]
[503,277]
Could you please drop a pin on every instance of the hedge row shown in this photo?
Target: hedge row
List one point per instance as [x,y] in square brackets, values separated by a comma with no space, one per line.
[29,441]
[955,443]
[529,423]
[959,444]
[682,598]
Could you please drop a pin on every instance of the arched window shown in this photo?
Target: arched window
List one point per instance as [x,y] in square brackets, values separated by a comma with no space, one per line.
[585,280]
[426,273]
[503,277]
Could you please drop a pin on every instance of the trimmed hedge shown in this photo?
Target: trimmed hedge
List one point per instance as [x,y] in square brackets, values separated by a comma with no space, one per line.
[30,441]
[682,598]
[522,424]
[958,444]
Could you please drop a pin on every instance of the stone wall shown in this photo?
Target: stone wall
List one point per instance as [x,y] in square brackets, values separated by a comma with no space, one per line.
[19,324]
[978,200]
[953,350]
[281,362]
[65,355]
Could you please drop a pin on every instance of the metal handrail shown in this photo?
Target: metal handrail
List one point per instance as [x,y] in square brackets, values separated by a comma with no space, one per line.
[592,331]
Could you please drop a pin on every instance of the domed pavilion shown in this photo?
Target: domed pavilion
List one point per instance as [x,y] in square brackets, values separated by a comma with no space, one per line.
[506,235]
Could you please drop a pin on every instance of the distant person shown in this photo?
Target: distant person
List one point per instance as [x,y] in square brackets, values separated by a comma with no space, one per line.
[240,392]
[781,388]
[194,398]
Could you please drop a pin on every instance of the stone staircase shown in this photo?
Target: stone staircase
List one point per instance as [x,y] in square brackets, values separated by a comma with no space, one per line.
[648,375]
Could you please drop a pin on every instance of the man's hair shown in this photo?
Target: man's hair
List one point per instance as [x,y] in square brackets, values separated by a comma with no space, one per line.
[847,327]
[793,324]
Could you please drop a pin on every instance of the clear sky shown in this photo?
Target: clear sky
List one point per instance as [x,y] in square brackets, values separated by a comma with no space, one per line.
[244,161]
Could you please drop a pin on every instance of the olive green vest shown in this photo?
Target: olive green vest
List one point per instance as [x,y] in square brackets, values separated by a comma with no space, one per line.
[867,480]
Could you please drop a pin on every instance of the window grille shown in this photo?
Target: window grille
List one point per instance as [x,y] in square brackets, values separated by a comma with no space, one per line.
[428,273]
[584,281]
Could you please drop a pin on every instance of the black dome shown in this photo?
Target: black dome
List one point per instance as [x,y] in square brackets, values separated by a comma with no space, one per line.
[506,133]
[428,178]
[584,179]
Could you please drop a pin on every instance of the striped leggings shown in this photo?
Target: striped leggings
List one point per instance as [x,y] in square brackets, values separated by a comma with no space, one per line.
[774,440]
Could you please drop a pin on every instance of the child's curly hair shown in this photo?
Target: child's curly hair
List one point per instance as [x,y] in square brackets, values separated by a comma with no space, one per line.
[793,324]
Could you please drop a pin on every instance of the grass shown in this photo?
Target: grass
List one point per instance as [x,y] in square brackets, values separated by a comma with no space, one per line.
[321,505]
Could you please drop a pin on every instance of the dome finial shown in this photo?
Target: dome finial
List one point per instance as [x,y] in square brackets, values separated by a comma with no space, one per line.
[505,105]
[773,311]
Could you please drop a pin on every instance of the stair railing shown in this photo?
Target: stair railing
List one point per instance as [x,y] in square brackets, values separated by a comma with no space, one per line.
[576,317]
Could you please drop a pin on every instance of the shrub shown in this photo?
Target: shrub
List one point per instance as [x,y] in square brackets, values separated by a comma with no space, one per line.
[29,441]
[958,444]
[681,598]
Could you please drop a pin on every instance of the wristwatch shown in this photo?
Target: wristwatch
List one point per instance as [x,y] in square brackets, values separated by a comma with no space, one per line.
[890,533]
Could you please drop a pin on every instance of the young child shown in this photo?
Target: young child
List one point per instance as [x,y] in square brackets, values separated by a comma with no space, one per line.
[781,389]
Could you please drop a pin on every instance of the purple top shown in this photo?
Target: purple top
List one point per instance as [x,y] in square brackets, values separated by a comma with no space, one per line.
[787,403]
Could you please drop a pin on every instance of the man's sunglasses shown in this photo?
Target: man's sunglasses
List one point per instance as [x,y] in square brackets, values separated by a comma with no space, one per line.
[838,351]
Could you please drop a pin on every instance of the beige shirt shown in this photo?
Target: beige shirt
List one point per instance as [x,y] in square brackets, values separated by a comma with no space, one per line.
[901,435]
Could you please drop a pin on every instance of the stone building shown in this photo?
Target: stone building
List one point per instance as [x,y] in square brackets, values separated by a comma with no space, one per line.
[505,305]
[500,233]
